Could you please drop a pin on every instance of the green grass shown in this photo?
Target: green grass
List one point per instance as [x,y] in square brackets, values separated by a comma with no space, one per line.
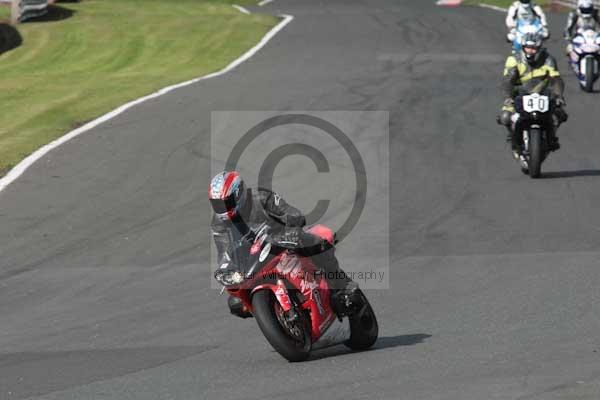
[110,52]
[502,3]
[4,12]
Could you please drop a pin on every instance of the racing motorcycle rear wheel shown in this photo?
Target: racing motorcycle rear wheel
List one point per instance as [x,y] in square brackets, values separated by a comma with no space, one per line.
[363,326]
[291,339]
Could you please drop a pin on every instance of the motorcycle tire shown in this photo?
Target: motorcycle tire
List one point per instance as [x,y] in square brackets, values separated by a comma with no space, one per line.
[265,306]
[589,75]
[536,153]
[363,327]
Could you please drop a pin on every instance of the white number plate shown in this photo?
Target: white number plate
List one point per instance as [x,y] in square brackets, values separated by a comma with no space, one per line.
[536,103]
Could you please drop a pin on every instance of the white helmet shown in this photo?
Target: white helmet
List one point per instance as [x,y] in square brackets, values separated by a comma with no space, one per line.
[586,8]
[525,10]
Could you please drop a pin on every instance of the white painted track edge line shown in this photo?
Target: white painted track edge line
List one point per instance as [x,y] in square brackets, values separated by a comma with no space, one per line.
[240,9]
[566,3]
[496,8]
[21,167]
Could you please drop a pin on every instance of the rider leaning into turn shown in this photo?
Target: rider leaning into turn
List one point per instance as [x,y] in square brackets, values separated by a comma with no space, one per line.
[523,9]
[586,15]
[529,68]
[243,209]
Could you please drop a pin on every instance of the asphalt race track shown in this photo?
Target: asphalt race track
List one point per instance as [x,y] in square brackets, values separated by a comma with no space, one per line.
[104,246]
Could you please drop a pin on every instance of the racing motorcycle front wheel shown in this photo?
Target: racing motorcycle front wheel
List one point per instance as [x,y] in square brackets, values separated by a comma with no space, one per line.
[588,85]
[290,338]
[536,153]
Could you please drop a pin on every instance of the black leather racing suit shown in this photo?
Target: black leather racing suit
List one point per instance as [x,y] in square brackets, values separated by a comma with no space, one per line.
[264,206]
[518,72]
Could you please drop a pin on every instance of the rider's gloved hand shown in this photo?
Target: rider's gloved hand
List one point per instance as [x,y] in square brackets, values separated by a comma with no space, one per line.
[560,102]
[546,33]
[511,36]
[509,105]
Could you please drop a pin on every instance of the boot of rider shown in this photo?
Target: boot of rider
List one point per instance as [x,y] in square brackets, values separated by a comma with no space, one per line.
[344,291]
[505,118]
[236,307]
[553,143]
[513,139]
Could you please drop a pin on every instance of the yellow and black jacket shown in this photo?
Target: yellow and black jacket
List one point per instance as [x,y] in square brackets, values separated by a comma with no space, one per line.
[519,73]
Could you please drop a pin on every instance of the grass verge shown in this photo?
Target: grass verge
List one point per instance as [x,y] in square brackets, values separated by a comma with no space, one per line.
[4,12]
[87,58]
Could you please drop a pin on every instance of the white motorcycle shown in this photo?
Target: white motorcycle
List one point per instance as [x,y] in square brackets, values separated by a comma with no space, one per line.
[584,57]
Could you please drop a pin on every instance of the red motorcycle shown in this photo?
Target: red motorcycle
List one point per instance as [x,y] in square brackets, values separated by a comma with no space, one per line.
[290,298]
